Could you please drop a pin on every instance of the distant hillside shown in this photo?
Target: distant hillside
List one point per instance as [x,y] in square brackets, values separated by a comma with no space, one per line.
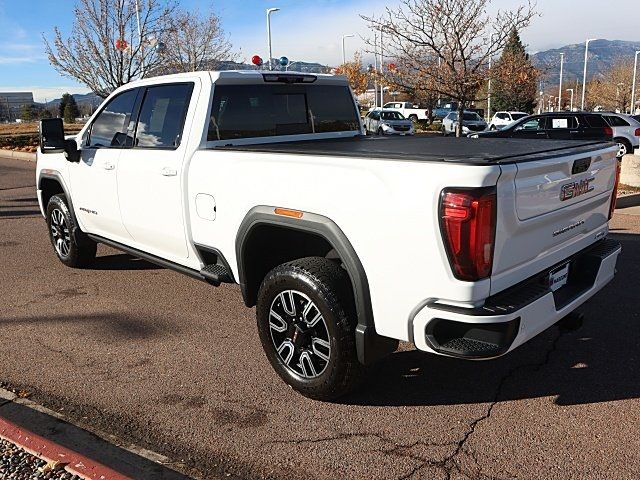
[81,98]
[602,55]
[299,66]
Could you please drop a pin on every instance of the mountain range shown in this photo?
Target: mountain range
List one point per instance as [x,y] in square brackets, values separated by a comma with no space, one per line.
[603,54]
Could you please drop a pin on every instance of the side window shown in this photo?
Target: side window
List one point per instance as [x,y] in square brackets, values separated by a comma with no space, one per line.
[594,121]
[564,122]
[375,115]
[616,121]
[162,116]
[110,128]
[535,123]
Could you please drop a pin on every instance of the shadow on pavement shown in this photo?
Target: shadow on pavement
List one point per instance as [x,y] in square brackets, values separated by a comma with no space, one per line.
[87,444]
[600,362]
[121,261]
[19,213]
[111,326]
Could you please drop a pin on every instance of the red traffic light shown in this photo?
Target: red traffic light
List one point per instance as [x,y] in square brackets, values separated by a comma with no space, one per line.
[256,60]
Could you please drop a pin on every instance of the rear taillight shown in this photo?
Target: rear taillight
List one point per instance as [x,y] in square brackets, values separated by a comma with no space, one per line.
[608,131]
[614,195]
[468,227]
[637,132]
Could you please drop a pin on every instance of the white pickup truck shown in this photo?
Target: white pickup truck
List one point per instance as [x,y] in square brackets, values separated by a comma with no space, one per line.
[408,109]
[346,244]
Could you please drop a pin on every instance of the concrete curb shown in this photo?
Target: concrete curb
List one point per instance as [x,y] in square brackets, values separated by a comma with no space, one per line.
[28,157]
[53,453]
[74,462]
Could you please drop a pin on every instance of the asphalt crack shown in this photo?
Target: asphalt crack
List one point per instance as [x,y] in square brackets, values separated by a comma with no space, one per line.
[450,463]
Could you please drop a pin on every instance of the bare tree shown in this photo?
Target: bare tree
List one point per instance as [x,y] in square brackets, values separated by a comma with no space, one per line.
[613,90]
[194,42]
[104,50]
[449,41]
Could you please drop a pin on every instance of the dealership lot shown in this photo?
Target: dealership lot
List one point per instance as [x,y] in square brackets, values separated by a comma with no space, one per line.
[176,366]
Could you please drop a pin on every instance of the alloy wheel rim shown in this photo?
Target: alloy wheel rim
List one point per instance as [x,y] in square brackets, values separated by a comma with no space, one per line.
[622,149]
[299,334]
[60,233]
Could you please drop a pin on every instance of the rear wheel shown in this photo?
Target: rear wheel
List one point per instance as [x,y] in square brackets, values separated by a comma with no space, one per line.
[380,131]
[306,321]
[413,117]
[624,147]
[61,228]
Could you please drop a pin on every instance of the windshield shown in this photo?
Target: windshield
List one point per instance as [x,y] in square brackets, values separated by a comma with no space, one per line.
[471,116]
[518,116]
[391,116]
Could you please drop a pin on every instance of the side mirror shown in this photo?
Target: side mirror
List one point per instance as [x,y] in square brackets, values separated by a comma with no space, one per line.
[52,135]
[52,139]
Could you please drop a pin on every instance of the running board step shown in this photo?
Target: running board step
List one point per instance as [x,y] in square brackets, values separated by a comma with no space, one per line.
[216,274]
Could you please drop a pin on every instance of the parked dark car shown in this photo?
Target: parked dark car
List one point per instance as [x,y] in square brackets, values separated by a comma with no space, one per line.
[555,126]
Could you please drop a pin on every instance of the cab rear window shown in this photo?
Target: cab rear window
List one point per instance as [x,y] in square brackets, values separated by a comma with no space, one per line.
[249,111]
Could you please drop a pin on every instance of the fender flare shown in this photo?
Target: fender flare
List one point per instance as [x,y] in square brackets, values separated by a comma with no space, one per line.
[369,344]
[77,232]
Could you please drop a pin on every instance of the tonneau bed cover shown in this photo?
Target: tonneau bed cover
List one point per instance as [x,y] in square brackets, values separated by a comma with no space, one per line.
[428,148]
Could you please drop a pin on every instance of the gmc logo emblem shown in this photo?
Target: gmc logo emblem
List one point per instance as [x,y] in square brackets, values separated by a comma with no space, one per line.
[575,189]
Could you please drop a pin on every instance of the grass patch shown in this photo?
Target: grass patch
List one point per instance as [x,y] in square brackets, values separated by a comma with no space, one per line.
[32,127]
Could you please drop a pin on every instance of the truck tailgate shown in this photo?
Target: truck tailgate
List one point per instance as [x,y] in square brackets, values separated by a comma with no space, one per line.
[549,209]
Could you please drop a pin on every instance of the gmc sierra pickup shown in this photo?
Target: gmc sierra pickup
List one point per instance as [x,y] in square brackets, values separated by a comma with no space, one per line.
[345,244]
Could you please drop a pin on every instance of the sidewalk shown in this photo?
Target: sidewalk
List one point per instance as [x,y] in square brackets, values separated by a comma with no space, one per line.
[47,436]
[29,157]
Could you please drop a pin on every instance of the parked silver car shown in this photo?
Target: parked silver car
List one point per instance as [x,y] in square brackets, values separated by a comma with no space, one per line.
[387,122]
[471,122]
[626,132]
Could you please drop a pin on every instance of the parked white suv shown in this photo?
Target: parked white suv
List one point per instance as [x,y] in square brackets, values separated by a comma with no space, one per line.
[626,132]
[345,243]
[502,119]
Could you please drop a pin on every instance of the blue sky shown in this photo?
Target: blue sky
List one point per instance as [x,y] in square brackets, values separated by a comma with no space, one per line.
[303,29]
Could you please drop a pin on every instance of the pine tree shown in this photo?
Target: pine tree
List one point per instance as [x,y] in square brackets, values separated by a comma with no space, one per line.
[69,108]
[515,79]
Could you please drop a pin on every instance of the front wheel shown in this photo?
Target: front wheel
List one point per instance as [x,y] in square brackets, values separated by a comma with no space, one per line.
[306,321]
[61,233]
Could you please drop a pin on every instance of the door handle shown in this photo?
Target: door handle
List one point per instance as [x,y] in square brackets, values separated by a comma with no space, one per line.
[109,166]
[168,172]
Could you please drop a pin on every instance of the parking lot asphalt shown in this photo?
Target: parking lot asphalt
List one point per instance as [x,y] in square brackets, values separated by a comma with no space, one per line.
[176,366]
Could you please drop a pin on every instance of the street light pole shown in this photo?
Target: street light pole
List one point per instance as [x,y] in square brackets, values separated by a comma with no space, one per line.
[633,89]
[140,39]
[344,57]
[269,12]
[375,69]
[618,96]
[560,89]
[571,102]
[584,75]
[381,70]
[489,93]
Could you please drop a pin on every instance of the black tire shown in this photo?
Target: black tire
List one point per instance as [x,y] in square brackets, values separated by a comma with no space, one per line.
[327,285]
[623,146]
[380,131]
[413,117]
[493,128]
[61,233]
